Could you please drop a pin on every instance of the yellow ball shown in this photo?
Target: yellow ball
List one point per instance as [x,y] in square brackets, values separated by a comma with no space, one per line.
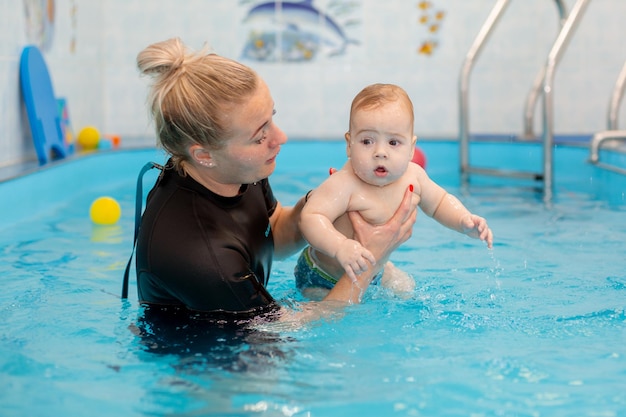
[88,137]
[105,211]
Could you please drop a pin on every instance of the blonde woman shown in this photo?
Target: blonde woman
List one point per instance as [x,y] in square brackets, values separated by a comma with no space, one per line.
[212,225]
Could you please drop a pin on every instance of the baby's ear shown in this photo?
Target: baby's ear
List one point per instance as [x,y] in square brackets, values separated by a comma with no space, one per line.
[347,136]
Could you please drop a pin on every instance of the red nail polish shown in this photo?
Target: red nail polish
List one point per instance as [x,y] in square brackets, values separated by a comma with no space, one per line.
[411,187]
[330,171]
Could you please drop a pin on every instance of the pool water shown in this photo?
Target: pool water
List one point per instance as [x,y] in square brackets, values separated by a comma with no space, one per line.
[534,327]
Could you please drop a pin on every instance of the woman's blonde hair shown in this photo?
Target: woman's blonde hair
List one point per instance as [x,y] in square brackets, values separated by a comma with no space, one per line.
[190,95]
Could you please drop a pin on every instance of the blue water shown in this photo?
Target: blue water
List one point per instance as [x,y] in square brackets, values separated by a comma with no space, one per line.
[534,327]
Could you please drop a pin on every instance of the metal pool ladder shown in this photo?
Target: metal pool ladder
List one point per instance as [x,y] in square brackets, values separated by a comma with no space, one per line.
[612,134]
[543,83]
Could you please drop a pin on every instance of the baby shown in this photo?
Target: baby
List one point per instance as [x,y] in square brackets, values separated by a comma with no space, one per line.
[380,146]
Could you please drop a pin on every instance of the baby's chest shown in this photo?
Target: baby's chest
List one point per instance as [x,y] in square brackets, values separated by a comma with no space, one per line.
[377,207]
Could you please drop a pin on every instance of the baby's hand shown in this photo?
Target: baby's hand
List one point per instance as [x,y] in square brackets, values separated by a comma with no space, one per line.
[354,258]
[476,227]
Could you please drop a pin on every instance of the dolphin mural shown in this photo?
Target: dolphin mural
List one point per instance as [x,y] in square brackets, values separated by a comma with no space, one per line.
[292,31]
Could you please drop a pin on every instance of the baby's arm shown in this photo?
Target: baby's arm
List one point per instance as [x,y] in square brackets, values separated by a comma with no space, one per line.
[453,214]
[325,204]
[450,212]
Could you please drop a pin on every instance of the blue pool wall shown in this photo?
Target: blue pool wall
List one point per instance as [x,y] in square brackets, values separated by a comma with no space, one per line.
[90,48]
[95,174]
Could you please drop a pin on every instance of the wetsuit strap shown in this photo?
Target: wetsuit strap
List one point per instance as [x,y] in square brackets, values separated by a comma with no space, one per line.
[138,209]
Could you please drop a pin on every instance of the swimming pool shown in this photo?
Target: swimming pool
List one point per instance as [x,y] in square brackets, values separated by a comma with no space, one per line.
[534,327]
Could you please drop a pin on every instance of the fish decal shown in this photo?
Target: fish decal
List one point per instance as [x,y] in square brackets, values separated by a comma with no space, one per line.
[292,31]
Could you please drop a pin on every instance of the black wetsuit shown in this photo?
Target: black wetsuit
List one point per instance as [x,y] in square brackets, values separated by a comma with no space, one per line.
[203,252]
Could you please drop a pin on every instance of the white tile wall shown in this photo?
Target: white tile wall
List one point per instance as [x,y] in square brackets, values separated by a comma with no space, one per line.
[99,79]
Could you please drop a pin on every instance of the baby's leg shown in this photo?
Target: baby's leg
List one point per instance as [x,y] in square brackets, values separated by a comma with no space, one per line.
[398,281]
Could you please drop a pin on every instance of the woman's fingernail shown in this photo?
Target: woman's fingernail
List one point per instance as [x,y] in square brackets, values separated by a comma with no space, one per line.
[411,187]
[330,171]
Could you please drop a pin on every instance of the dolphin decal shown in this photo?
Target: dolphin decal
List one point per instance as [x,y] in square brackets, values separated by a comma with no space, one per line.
[292,31]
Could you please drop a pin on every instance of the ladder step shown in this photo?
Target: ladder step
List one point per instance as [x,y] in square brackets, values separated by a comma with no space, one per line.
[537,176]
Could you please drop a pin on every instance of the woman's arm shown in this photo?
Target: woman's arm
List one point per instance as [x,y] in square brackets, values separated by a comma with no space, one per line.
[287,237]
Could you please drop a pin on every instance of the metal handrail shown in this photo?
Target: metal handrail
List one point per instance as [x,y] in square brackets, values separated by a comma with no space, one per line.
[612,134]
[547,76]
[616,99]
[601,137]
[533,95]
[554,56]
[468,64]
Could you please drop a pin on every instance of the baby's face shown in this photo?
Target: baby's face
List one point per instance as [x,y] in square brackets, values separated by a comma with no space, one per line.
[381,143]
